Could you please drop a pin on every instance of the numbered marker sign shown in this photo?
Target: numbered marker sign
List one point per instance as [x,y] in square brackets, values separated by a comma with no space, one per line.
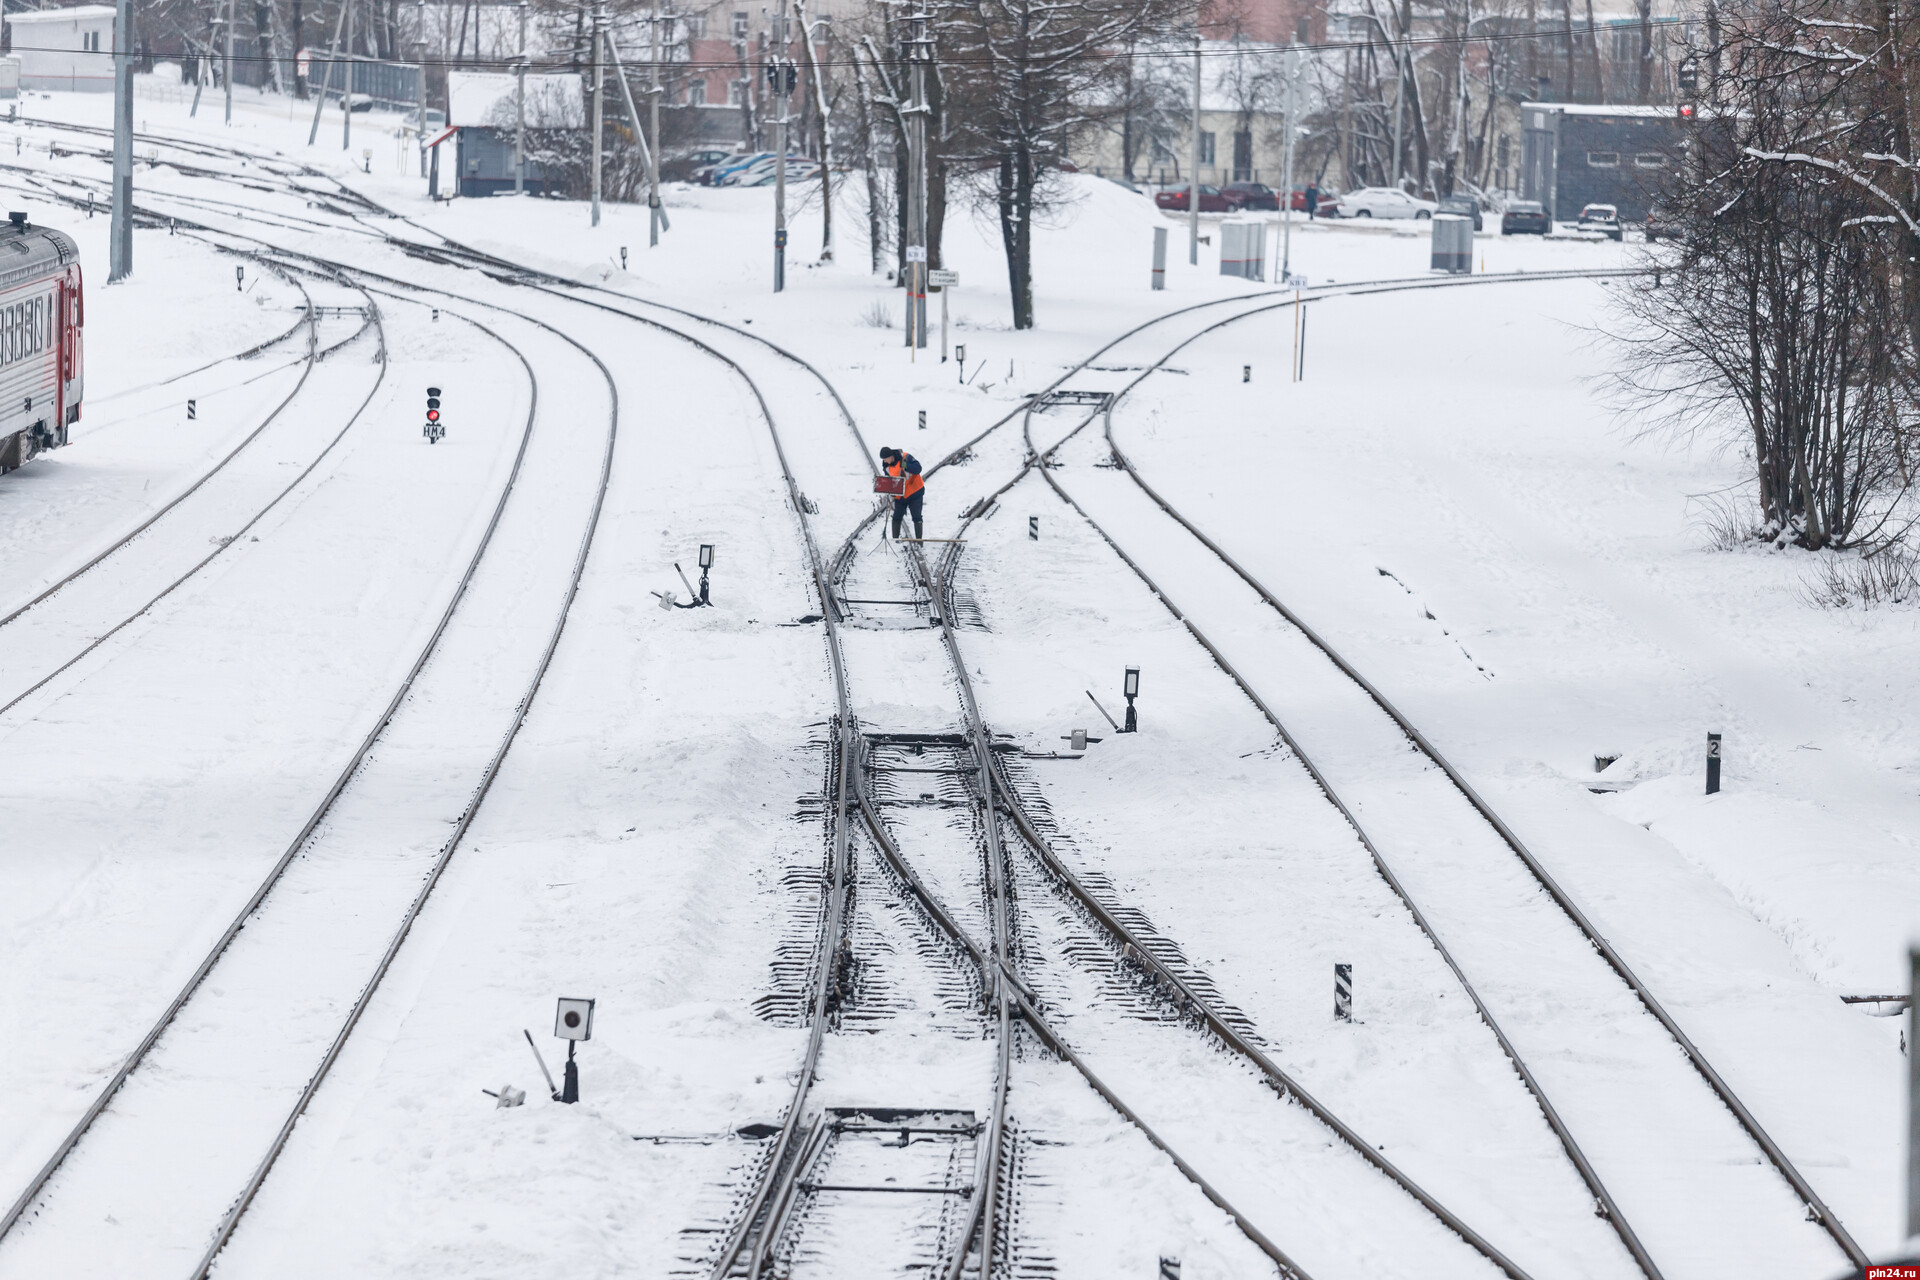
[916,253]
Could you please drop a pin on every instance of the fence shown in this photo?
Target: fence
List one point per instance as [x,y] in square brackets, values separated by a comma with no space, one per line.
[395,85]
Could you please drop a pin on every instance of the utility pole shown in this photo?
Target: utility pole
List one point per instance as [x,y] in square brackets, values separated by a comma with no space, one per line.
[1400,95]
[333,57]
[779,67]
[520,108]
[653,133]
[228,77]
[1193,186]
[919,54]
[599,96]
[120,264]
[346,94]
[1286,151]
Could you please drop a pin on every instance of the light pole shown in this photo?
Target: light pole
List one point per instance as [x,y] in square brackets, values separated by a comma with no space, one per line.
[919,54]
[777,67]
[520,108]
[418,48]
[346,93]
[120,263]
[1193,186]
[653,134]
[227,62]
[1286,198]
[599,95]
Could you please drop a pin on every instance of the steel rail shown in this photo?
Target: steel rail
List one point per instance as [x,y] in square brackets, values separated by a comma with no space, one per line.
[1751,1124]
[1031,1014]
[1609,1207]
[314,819]
[233,539]
[224,1232]
[190,490]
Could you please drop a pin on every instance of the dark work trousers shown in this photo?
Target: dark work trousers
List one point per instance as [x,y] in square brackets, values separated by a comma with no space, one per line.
[903,505]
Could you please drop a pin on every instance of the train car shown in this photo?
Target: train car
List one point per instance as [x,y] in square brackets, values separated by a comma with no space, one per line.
[41,313]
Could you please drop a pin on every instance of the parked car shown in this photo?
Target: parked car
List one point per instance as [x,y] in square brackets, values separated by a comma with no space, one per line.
[1604,218]
[760,172]
[1525,218]
[1211,201]
[1661,225]
[1384,202]
[1465,206]
[1329,206]
[734,163]
[682,167]
[1250,195]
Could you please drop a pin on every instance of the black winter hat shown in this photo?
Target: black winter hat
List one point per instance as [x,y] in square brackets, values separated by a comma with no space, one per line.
[888,451]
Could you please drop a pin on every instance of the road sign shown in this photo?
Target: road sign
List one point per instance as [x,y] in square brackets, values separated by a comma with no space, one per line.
[944,279]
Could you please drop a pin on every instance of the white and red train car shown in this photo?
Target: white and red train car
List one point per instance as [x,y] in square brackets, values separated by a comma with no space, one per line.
[41,312]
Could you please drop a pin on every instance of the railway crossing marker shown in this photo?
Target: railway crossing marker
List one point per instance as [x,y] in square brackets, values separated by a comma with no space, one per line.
[1246,373]
[1033,528]
[193,410]
[572,1022]
[923,419]
[1343,992]
[1713,764]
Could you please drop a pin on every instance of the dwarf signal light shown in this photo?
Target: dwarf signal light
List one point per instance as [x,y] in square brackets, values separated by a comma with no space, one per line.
[434,429]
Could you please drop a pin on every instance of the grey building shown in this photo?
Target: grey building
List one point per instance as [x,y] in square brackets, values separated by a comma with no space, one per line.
[1575,154]
[483,107]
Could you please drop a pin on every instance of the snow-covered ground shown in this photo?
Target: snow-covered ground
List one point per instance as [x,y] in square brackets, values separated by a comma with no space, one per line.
[1445,497]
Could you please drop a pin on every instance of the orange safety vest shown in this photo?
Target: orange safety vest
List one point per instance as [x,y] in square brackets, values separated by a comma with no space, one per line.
[914,483]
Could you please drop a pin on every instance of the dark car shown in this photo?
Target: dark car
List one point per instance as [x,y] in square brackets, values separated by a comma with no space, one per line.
[1662,225]
[682,167]
[1525,218]
[1249,195]
[1211,201]
[1465,206]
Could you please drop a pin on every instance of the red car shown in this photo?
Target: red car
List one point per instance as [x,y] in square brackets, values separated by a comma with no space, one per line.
[1211,201]
[1249,195]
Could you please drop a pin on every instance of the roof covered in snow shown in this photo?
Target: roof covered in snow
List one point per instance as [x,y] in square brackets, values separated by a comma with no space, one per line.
[86,12]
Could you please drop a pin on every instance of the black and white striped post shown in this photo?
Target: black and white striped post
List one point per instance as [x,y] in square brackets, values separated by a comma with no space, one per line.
[1713,764]
[1343,992]
[1169,1267]
[1033,528]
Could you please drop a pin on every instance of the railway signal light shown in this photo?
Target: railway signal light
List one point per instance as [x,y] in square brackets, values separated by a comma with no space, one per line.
[239,274]
[1131,688]
[434,429]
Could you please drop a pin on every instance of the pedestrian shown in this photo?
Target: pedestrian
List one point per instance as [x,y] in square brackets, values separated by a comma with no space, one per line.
[898,463]
[1313,199]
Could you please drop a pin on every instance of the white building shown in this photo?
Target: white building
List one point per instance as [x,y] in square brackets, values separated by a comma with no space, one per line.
[65,48]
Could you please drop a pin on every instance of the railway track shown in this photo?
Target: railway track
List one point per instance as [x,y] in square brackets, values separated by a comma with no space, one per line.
[1621,1129]
[798,1153]
[87,608]
[317,852]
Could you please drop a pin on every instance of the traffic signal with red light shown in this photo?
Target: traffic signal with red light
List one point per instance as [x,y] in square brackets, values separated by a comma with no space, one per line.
[433,404]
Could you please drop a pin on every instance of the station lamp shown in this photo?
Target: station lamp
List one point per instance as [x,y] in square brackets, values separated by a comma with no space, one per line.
[706,563]
[1131,688]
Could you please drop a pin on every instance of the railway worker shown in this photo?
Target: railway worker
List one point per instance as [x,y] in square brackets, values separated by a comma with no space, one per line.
[899,463]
